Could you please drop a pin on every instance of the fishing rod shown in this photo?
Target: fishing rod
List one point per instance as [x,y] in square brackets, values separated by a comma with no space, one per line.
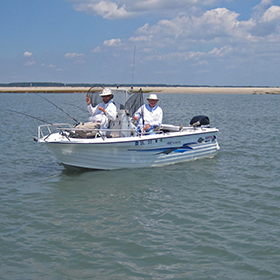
[77,122]
[38,119]
[76,106]
[140,91]
[133,66]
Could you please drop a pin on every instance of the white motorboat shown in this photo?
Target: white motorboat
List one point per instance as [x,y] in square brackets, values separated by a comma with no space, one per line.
[121,146]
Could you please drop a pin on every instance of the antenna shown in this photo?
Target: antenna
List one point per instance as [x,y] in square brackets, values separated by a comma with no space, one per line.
[133,66]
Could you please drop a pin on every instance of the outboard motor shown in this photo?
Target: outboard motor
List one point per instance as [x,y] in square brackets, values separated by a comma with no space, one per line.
[199,121]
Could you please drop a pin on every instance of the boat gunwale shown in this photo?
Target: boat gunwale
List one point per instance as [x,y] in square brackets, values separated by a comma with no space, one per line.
[123,140]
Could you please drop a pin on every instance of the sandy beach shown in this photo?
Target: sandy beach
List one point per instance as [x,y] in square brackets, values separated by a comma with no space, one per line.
[186,90]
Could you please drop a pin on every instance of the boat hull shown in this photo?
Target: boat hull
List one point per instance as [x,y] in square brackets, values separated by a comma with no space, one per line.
[134,152]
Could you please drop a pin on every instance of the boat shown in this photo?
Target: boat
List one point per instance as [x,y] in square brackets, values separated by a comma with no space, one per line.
[121,146]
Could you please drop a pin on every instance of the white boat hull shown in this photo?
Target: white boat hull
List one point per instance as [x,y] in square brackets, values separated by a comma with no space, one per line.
[134,151]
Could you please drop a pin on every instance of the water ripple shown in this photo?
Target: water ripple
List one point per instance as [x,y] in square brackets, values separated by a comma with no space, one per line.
[207,219]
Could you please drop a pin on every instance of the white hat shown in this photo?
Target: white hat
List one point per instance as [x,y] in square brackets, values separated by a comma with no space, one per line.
[106,92]
[153,96]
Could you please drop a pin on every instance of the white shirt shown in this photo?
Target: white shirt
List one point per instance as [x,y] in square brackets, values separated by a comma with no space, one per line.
[152,116]
[98,115]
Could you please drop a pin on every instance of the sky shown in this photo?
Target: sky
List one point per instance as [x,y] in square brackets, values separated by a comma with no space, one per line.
[173,42]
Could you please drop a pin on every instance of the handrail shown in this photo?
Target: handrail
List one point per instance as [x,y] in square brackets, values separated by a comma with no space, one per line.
[62,128]
[56,126]
[66,129]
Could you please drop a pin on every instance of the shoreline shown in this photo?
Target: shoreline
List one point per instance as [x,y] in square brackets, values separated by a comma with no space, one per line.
[158,90]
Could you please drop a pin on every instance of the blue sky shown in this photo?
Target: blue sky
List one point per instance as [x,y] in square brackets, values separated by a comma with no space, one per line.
[186,42]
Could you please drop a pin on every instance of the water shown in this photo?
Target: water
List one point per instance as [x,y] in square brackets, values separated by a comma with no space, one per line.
[207,219]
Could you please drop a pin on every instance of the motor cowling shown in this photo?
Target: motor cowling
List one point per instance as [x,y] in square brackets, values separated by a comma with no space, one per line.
[200,120]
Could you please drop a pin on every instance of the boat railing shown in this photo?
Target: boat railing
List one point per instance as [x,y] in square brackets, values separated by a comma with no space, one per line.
[69,131]
[179,128]
[48,129]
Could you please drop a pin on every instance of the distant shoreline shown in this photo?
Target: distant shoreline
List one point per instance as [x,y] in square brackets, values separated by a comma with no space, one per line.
[186,90]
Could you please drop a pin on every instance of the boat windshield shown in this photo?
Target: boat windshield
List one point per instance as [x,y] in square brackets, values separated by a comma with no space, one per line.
[123,99]
[120,97]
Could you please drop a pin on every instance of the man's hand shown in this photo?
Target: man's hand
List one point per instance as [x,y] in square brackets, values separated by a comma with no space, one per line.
[147,126]
[102,109]
[88,100]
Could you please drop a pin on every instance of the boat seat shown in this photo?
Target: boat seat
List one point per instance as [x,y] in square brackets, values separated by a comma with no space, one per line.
[121,127]
[116,126]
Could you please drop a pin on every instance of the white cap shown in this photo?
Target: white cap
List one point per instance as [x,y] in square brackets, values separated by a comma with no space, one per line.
[153,96]
[106,92]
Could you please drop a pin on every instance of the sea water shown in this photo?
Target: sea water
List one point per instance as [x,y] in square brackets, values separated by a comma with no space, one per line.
[215,218]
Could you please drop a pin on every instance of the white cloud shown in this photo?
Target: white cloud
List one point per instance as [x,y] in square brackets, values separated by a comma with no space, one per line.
[196,33]
[117,9]
[54,67]
[195,55]
[203,62]
[260,8]
[30,63]
[73,55]
[214,25]
[189,23]
[51,66]
[220,52]
[215,35]
[219,26]
[265,23]
[28,54]
[96,50]
[190,26]
[80,61]
[272,14]
[30,59]
[112,42]
[106,9]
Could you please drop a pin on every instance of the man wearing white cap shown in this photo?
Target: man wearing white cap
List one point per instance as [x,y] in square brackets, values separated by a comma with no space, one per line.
[149,116]
[100,114]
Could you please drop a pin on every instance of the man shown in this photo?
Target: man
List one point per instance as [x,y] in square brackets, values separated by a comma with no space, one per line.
[100,115]
[149,116]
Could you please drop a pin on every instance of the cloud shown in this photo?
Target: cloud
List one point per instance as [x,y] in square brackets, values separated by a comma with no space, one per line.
[190,25]
[106,9]
[51,66]
[29,59]
[260,8]
[54,67]
[30,63]
[215,25]
[190,33]
[214,35]
[96,50]
[196,55]
[112,42]
[73,55]
[272,14]
[265,23]
[220,52]
[28,54]
[119,9]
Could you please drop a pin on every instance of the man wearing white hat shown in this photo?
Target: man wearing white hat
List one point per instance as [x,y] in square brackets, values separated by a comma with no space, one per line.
[100,114]
[149,116]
